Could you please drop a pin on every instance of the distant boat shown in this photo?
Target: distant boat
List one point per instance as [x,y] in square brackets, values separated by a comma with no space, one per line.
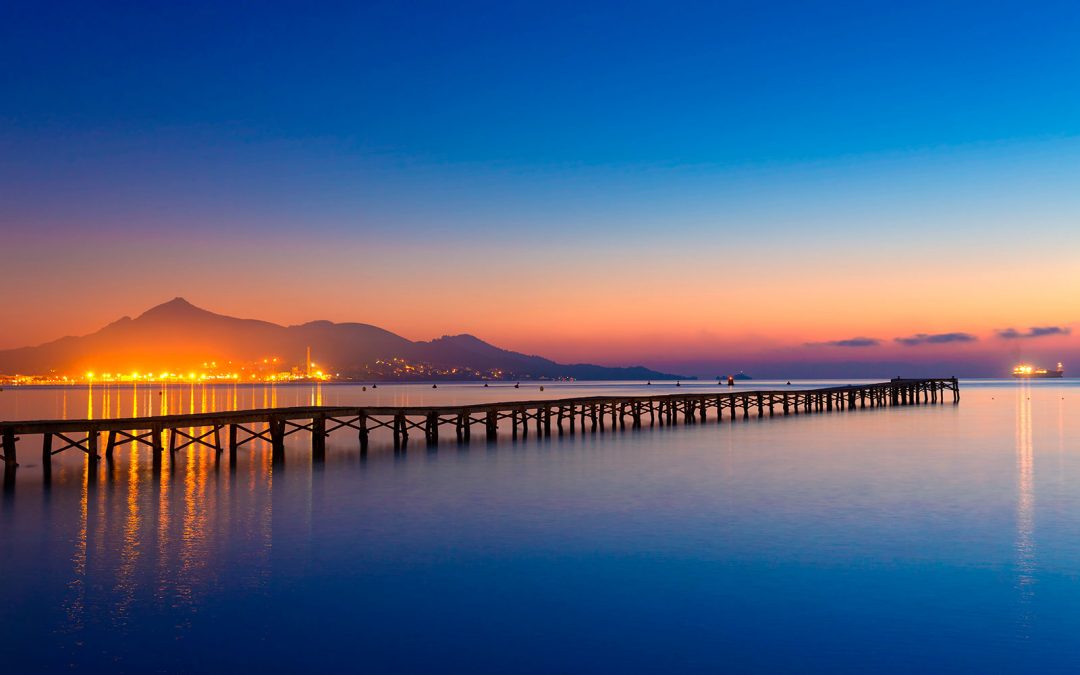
[1025,372]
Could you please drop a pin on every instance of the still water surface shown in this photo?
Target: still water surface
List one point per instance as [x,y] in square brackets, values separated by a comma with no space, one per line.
[924,538]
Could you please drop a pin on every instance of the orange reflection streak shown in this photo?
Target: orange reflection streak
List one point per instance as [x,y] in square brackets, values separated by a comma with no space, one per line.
[193,558]
[163,563]
[76,606]
[126,582]
[89,401]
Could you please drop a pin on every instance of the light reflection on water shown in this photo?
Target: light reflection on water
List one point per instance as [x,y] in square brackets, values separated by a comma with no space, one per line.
[1025,503]
[931,537]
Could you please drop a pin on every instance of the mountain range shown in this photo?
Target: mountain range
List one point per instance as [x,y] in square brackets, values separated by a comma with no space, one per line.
[178,336]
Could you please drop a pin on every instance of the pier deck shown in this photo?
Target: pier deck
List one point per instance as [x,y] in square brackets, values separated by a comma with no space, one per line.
[568,415]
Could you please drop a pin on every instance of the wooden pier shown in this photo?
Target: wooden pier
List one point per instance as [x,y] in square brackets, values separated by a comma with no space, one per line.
[232,430]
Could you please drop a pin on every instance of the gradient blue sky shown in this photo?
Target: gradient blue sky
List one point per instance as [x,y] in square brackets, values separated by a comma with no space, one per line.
[610,179]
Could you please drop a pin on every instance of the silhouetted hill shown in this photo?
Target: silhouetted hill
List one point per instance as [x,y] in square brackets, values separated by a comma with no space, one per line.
[178,336]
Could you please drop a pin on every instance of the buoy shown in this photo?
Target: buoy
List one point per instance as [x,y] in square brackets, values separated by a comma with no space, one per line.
[517,385]
[363,389]
[678,384]
[485,384]
[541,387]
[374,386]
[434,386]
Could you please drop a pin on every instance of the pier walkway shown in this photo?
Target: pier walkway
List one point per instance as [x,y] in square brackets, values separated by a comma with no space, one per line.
[231,430]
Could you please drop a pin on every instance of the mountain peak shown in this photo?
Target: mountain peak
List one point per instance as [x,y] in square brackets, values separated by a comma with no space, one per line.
[176,307]
[177,302]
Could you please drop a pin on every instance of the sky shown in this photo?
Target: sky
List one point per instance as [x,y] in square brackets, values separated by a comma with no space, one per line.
[803,188]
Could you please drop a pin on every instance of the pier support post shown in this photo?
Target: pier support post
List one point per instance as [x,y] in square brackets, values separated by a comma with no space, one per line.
[362,432]
[46,451]
[431,430]
[11,456]
[401,433]
[110,443]
[277,440]
[318,437]
[157,448]
[92,445]
[492,426]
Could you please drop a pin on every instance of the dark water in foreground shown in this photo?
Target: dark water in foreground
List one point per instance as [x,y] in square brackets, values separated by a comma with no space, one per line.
[928,538]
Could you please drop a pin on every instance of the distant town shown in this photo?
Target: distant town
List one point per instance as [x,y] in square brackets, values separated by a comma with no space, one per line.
[268,370]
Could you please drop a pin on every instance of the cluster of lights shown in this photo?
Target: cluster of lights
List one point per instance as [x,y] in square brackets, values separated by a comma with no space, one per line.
[399,367]
[1024,369]
[268,370]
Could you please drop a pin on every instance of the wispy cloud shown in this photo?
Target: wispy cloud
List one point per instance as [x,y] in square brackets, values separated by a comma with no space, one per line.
[1033,332]
[850,342]
[934,339]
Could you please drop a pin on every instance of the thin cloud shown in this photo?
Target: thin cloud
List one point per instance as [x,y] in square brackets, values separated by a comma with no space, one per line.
[934,339]
[850,342]
[1033,332]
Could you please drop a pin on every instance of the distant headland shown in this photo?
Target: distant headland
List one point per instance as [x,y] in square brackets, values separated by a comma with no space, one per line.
[179,341]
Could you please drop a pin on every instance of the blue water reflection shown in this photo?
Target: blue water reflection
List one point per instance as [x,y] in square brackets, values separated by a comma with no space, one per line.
[924,538]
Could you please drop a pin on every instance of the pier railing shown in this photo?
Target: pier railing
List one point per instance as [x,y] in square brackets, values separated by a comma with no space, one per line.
[230,431]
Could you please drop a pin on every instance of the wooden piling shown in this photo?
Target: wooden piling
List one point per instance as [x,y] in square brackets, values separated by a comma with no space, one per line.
[277,440]
[11,454]
[318,437]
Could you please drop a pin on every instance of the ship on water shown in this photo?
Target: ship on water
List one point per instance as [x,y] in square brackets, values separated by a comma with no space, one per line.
[1024,371]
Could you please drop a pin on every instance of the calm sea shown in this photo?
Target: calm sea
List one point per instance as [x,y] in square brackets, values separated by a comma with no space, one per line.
[930,538]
